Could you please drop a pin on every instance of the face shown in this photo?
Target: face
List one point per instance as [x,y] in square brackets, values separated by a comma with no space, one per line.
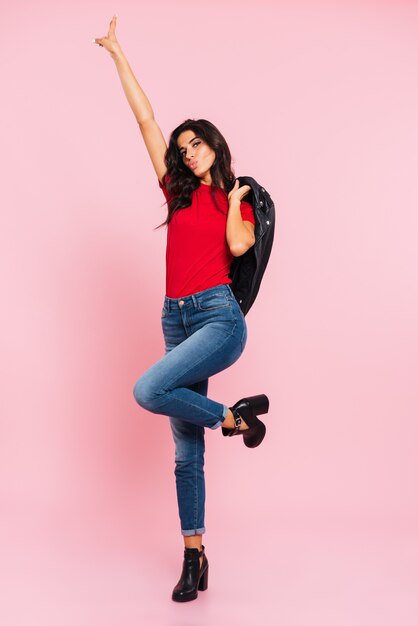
[196,153]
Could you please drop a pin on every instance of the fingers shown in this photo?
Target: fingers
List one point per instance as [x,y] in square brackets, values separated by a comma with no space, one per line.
[111,32]
[112,25]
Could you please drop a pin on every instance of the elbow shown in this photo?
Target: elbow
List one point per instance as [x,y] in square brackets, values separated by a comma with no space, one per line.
[242,247]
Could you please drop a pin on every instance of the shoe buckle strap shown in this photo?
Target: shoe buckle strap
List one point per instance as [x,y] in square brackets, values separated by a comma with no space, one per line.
[238,422]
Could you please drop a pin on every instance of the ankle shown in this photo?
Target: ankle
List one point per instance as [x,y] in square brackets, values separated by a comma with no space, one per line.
[194,544]
[229,421]
[193,541]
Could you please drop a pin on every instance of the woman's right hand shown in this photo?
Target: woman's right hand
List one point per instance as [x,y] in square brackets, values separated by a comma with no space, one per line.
[110,42]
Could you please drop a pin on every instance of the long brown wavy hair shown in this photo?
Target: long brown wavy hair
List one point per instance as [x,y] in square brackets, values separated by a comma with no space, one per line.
[182,182]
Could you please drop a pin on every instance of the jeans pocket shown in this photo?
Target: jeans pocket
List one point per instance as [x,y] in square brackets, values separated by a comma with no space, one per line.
[213,301]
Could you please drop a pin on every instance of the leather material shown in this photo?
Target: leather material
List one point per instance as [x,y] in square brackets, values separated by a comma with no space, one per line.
[248,408]
[246,271]
[254,436]
[230,432]
[193,577]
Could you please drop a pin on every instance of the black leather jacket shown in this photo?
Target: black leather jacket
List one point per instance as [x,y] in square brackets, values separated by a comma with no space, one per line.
[247,270]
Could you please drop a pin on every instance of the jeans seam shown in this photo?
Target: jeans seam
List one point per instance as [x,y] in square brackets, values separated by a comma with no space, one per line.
[196,504]
[244,338]
[195,406]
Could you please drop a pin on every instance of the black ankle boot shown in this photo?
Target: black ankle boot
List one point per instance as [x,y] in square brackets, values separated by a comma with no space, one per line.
[193,577]
[247,409]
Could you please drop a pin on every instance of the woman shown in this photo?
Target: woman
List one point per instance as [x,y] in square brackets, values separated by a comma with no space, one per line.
[204,328]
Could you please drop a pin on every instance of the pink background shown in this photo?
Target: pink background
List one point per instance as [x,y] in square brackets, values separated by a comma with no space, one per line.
[318,526]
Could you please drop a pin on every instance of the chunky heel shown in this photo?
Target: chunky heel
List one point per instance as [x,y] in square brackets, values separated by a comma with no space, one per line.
[203,582]
[193,577]
[254,436]
[247,409]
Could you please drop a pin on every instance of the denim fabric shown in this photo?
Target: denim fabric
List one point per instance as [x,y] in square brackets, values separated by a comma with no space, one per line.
[204,333]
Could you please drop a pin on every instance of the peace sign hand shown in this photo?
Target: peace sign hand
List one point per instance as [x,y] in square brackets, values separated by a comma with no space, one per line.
[110,42]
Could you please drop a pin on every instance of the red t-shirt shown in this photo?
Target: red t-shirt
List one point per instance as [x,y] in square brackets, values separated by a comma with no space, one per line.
[197,253]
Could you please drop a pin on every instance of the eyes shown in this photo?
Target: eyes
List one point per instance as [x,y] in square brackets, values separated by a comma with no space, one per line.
[194,144]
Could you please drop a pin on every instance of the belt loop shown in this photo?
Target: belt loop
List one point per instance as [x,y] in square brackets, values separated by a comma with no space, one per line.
[194,300]
[167,304]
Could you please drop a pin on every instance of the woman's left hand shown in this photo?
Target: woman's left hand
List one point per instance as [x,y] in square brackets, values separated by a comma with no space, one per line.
[237,192]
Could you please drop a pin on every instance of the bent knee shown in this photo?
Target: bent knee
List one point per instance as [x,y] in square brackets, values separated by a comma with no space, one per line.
[145,393]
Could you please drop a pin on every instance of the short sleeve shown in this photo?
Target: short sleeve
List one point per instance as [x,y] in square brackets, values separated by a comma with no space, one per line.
[164,189]
[247,212]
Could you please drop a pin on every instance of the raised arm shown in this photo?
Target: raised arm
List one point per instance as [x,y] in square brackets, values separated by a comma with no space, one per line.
[138,101]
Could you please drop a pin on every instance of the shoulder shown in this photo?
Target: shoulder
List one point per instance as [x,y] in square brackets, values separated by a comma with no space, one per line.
[160,181]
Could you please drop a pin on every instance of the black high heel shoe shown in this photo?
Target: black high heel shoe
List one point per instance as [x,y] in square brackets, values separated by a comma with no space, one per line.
[193,577]
[247,409]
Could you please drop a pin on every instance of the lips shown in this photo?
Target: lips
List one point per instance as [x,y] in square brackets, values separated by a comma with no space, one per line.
[193,164]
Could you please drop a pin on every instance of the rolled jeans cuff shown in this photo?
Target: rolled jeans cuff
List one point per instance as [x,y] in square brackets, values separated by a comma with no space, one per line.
[195,531]
[220,422]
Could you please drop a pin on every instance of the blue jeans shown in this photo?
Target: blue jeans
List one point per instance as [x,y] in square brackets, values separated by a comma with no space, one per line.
[204,333]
